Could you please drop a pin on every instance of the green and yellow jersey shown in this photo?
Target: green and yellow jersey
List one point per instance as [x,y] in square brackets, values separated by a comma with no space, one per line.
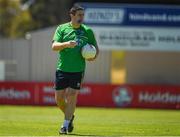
[70,59]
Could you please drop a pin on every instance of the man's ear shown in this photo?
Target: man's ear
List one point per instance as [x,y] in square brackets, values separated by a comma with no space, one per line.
[72,15]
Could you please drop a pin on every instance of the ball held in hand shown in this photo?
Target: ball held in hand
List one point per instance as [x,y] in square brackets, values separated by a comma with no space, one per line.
[88,51]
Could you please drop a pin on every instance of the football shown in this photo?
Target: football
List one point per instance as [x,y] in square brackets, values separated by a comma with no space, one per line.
[88,51]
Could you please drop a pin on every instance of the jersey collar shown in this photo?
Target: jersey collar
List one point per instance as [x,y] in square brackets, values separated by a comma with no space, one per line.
[72,26]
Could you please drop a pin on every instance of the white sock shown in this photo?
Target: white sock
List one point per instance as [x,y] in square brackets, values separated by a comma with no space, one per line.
[66,123]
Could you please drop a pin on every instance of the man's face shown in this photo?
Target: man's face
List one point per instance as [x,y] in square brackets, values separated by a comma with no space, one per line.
[78,17]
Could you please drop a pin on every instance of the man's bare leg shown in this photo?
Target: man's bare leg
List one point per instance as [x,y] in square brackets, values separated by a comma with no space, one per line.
[61,99]
[66,101]
[71,103]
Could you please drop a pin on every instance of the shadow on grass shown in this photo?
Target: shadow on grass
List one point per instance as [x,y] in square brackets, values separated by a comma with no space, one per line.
[83,135]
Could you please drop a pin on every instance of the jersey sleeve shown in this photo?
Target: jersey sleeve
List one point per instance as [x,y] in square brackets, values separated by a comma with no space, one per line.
[91,38]
[58,35]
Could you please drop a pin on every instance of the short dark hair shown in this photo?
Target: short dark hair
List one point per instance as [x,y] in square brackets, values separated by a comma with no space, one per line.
[75,8]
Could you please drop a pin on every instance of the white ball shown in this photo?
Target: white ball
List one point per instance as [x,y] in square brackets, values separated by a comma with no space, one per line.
[88,51]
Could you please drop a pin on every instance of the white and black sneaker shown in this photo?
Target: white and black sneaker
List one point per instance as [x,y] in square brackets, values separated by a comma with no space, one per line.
[63,130]
[71,126]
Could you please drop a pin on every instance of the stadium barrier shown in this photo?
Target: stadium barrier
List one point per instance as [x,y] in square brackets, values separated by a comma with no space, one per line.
[94,95]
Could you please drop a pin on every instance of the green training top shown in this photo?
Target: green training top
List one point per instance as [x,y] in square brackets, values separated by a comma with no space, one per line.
[70,59]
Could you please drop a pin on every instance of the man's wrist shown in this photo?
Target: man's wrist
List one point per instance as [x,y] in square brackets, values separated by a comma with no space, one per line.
[66,44]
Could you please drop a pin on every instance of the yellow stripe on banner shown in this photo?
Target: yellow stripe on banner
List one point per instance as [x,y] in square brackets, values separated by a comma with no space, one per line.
[118,69]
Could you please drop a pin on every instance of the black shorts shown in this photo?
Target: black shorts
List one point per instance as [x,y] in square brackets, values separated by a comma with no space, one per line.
[68,79]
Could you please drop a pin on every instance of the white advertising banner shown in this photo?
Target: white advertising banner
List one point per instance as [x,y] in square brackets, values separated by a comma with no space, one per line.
[2,70]
[137,38]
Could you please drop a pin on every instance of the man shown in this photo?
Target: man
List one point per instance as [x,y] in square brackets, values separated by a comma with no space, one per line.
[68,40]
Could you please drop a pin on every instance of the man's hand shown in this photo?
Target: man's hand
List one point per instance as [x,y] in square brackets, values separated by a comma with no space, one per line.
[58,46]
[71,44]
[91,59]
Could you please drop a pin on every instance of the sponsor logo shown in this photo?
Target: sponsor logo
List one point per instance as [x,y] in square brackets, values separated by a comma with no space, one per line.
[49,99]
[159,97]
[154,17]
[122,96]
[104,15]
[48,89]
[78,84]
[85,90]
[14,94]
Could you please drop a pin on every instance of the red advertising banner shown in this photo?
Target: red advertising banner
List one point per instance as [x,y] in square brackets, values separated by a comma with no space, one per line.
[46,96]
[136,96]
[23,93]
[97,95]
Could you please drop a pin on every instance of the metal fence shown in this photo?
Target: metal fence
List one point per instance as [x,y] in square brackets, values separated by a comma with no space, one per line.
[33,60]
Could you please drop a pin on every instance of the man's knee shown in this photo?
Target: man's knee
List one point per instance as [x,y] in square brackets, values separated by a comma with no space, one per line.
[72,95]
[59,97]
[73,92]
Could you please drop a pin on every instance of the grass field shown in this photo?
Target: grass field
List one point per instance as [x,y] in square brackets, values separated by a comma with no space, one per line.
[45,121]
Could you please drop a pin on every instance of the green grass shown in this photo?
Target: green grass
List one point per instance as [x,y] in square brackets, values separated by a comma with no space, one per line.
[45,121]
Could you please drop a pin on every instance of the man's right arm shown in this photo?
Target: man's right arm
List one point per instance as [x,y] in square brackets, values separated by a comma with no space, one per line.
[58,46]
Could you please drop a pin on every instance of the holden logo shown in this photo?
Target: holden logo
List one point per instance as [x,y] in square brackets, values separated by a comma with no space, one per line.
[122,96]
